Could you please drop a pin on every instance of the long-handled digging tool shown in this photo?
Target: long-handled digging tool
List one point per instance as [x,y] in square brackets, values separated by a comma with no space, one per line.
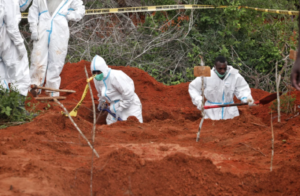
[110,112]
[263,101]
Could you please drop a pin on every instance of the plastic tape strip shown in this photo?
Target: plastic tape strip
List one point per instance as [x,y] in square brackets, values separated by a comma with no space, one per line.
[173,7]
[73,113]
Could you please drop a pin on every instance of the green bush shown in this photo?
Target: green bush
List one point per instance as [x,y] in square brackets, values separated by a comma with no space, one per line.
[287,104]
[9,106]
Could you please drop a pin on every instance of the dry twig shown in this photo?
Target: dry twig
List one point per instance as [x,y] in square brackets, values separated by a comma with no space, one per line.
[66,112]
[93,130]
[253,148]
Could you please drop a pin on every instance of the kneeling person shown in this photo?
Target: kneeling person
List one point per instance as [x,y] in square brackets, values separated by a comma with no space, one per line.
[224,83]
[117,88]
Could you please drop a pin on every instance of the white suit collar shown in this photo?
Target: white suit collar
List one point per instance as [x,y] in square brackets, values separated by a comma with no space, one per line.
[230,69]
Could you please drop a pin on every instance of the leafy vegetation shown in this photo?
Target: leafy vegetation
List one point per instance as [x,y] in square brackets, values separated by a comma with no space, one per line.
[167,44]
[287,104]
[10,110]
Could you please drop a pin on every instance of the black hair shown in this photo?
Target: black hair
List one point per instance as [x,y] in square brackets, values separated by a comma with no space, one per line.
[220,59]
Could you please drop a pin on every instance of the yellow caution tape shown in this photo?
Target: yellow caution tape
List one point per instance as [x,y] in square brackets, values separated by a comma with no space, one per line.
[285,12]
[73,113]
[172,7]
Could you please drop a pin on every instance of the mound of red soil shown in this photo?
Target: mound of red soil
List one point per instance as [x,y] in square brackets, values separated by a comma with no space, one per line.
[159,157]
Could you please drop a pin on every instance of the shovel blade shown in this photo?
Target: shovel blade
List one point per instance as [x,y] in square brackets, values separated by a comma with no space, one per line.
[269,98]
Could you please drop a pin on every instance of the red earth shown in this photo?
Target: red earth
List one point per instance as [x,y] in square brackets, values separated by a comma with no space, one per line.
[159,157]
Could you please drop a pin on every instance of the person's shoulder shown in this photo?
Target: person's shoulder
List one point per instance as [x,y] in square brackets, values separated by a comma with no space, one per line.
[119,74]
[234,72]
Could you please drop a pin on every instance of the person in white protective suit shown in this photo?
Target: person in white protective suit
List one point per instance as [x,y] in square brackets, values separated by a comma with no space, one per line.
[23,4]
[14,65]
[48,21]
[219,88]
[116,88]
[3,83]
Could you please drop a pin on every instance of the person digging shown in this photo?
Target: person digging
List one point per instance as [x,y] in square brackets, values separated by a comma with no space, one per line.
[219,89]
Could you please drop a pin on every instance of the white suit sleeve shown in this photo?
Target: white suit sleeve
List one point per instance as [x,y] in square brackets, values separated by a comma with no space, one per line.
[125,86]
[24,4]
[33,16]
[1,12]
[76,11]
[242,90]
[11,23]
[195,91]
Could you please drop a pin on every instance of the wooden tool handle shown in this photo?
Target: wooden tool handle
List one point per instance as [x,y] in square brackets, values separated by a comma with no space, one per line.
[227,105]
[52,89]
[48,98]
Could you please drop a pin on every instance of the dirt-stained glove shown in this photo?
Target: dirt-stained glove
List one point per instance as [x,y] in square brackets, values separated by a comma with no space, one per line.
[250,101]
[35,36]
[102,104]
[198,102]
[21,49]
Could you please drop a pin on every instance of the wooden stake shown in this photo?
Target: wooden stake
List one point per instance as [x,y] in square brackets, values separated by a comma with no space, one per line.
[202,94]
[48,98]
[272,143]
[52,89]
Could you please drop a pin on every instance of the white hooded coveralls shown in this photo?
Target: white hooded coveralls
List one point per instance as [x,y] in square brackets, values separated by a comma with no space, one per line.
[12,68]
[49,52]
[117,88]
[24,4]
[218,91]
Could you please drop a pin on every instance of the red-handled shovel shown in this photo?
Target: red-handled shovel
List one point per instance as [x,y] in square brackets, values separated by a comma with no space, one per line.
[263,101]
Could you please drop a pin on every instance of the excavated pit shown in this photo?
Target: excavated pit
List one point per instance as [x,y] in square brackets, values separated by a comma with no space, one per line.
[159,157]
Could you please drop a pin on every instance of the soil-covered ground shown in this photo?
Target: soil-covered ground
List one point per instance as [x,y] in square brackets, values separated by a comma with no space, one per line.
[159,157]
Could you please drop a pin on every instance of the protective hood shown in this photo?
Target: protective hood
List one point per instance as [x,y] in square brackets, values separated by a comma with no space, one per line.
[99,63]
[230,70]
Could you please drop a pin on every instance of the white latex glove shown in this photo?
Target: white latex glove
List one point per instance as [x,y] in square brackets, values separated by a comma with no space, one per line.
[21,50]
[101,104]
[200,106]
[198,102]
[34,36]
[250,101]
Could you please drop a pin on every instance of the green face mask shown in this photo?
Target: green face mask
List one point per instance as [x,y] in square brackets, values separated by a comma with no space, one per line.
[99,77]
[220,75]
